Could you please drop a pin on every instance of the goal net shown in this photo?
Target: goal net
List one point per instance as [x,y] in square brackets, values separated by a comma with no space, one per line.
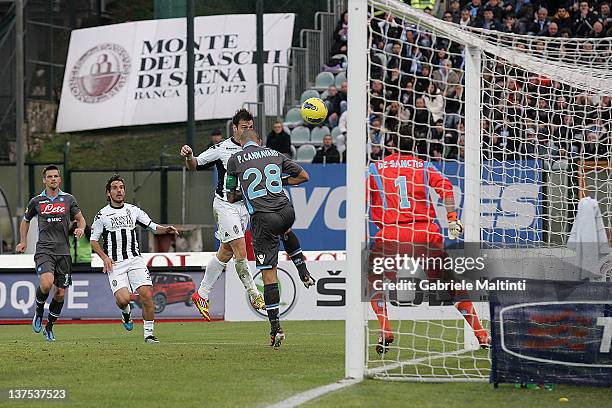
[520,125]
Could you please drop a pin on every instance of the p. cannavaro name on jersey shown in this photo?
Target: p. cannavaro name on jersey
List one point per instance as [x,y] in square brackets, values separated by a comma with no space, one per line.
[258,154]
[426,285]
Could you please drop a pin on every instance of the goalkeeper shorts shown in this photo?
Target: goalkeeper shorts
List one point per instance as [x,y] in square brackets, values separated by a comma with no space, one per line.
[421,232]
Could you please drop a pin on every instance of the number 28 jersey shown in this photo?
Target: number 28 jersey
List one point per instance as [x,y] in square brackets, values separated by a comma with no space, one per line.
[399,189]
[259,171]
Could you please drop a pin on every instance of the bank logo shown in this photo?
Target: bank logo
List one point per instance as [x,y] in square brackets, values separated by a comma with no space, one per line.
[100,73]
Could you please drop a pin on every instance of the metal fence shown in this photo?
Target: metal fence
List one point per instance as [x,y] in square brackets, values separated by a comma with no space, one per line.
[306,60]
[281,75]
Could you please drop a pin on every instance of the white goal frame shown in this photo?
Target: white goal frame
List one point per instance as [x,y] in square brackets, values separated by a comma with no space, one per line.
[356,318]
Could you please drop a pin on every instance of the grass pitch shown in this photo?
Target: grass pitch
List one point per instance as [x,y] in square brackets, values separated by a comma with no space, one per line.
[227,365]
[196,364]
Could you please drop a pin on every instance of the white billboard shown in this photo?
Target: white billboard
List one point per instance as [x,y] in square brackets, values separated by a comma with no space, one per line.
[324,301]
[136,73]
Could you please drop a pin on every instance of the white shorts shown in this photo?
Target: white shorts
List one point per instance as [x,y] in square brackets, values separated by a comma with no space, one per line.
[232,219]
[131,273]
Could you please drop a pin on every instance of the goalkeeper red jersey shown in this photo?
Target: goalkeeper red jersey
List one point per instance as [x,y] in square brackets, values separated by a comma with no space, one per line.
[399,190]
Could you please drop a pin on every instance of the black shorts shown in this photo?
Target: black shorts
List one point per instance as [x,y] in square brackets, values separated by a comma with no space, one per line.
[265,230]
[59,265]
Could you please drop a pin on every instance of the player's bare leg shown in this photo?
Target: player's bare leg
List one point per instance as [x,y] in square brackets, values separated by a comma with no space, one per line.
[122,300]
[45,283]
[148,313]
[238,247]
[55,308]
[294,251]
[216,266]
[272,298]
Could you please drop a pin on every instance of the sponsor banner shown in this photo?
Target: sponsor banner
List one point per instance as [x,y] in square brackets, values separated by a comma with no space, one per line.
[326,300]
[13,263]
[510,197]
[90,295]
[554,332]
[511,210]
[320,207]
[135,73]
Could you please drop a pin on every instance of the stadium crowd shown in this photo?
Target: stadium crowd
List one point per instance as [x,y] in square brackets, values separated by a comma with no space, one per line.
[417,85]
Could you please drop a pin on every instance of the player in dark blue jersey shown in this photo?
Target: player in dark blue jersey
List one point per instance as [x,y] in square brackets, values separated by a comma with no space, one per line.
[256,175]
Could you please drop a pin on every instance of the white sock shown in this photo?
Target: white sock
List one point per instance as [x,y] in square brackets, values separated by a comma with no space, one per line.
[148,328]
[213,270]
[127,309]
[244,273]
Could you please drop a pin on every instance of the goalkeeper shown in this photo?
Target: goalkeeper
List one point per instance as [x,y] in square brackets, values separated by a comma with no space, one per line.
[399,198]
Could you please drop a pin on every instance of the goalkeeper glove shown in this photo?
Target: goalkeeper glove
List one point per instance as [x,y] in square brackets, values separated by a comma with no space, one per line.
[455,227]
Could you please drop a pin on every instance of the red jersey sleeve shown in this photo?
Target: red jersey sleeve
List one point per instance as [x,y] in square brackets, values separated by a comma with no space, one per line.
[439,183]
[375,201]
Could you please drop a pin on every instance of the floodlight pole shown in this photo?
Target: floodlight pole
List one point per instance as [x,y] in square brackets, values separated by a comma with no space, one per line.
[261,115]
[19,106]
[190,73]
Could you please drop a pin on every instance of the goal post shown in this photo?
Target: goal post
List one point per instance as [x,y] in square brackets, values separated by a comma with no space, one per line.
[356,207]
[514,122]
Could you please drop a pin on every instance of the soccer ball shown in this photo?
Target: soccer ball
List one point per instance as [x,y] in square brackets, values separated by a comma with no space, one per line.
[314,111]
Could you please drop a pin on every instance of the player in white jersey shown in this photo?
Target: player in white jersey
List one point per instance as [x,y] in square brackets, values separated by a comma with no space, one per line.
[232,218]
[127,271]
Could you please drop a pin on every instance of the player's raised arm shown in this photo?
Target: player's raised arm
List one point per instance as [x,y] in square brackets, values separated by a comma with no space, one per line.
[203,161]
[190,161]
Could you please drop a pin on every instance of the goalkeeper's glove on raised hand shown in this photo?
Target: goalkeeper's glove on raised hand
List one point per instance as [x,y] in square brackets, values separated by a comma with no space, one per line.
[455,227]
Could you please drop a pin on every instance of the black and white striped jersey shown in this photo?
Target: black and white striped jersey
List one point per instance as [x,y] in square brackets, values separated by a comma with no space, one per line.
[218,155]
[117,227]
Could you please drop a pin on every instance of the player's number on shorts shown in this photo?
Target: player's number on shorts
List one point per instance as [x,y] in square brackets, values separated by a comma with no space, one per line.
[403,191]
[274,184]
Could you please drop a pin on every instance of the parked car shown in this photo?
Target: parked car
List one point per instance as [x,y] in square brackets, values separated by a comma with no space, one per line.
[168,288]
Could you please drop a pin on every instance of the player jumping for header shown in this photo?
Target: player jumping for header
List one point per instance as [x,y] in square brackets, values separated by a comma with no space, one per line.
[399,195]
[232,218]
[255,175]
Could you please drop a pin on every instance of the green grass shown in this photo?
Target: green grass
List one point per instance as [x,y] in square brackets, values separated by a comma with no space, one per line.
[373,393]
[231,365]
[197,364]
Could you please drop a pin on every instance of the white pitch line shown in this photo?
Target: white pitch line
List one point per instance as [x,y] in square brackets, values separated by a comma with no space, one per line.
[304,397]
